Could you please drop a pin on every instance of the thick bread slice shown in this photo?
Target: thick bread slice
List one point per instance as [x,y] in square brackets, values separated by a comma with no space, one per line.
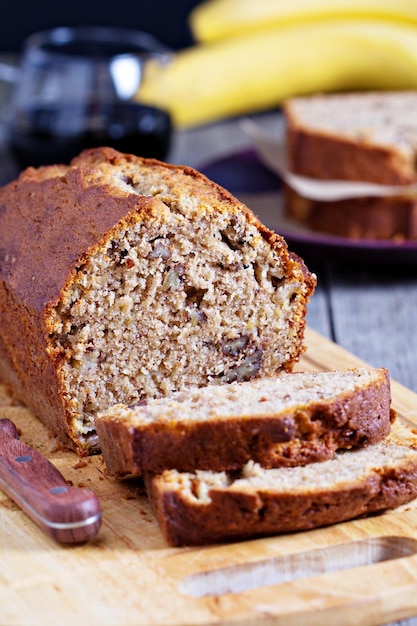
[124,278]
[363,136]
[360,218]
[288,420]
[208,507]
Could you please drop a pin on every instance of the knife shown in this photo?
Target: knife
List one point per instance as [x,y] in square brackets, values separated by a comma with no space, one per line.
[67,514]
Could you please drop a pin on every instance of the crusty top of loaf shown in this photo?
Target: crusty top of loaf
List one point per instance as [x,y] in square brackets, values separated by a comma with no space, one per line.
[81,204]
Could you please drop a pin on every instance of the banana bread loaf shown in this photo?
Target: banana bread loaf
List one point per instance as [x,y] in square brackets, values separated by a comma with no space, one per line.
[123,279]
[207,507]
[291,419]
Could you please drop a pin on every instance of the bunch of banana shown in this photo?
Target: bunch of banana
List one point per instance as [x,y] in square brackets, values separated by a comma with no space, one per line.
[255,64]
[220,19]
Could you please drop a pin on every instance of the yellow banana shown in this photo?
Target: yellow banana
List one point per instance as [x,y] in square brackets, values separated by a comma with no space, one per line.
[219,19]
[260,70]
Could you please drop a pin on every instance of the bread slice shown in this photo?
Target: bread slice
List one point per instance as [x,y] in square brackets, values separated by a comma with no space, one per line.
[359,136]
[123,279]
[292,419]
[370,137]
[207,507]
[359,218]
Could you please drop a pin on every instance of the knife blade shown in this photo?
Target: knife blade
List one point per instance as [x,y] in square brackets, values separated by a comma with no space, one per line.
[67,514]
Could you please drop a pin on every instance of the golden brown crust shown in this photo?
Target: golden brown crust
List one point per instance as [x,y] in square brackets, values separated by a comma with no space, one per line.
[245,514]
[296,436]
[51,220]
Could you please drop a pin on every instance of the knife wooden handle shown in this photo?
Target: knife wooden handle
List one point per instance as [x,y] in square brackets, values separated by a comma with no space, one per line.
[68,514]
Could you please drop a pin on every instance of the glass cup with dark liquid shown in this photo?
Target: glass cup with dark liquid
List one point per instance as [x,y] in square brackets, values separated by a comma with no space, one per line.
[78,88]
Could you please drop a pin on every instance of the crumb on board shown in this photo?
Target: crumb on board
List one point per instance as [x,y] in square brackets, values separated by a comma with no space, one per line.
[80,465]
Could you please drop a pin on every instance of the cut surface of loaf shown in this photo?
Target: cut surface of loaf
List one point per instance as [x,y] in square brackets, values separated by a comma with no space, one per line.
[361,136]
[291,419]
[123,278]
[208,507]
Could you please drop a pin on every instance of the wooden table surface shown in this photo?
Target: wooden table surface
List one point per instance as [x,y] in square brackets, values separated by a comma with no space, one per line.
[369,309]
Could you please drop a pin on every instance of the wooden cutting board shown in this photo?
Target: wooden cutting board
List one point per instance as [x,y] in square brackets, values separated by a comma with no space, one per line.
[359,572]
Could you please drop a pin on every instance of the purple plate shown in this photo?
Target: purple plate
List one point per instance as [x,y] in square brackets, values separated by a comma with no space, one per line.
[245,176]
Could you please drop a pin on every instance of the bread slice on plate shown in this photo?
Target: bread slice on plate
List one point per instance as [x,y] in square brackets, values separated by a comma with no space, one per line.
[205,507]
[123,278]
[291,419]
[362,137]
[359,218]
[355,136]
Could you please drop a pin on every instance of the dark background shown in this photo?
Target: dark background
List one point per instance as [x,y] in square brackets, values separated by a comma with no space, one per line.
[166,19]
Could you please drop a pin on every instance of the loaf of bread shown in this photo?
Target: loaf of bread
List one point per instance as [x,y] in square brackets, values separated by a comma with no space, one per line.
[366,137]
[291,419]
[123,279]
[207,507]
